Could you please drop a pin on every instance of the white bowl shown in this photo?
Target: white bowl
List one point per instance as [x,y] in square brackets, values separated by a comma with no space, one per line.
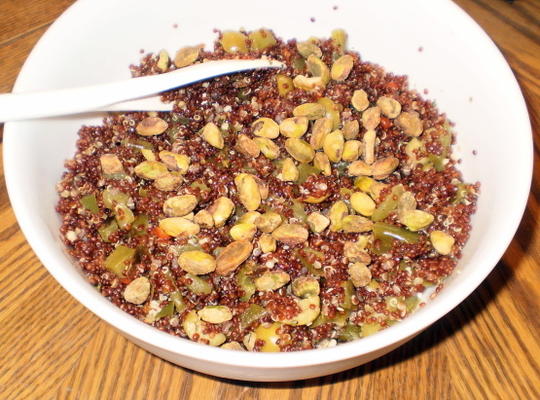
[96,40]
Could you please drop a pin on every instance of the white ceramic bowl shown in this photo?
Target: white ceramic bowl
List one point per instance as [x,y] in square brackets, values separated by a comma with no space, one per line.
[96,40]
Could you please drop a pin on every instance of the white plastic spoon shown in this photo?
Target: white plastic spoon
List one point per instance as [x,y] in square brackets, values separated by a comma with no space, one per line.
[108,96]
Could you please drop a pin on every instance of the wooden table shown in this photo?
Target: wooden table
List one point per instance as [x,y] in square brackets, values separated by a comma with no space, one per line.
[486,348]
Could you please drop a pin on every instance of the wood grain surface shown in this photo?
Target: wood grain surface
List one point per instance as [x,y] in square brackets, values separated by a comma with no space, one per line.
[487,348]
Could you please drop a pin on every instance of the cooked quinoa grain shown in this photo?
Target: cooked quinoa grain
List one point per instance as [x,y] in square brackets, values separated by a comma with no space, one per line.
[273,210]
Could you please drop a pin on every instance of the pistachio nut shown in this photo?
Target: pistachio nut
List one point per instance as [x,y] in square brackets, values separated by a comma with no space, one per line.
[322,162]
[151,170]
[111,164]
[221,210]
[351,150]
[167,183]
[317,222]
[204,219]
[416,220]
[333,145]
[137,291]
[232,256]
[212,135]
[338,211]
[360,274]
[299,149]
[362,203]
[360,100]
[294,127]
[289,172]
[369,146]
[371,118]
[265,127]
[351,128]
[305,286]
[215,314]
[321,128]
[248,191]
[187,56]
[356,224]
[268,147]
[247,146]
[178,206]
[410,123]
[176,226]
[308,48]
[268,221]
[389,107]
[196,330]
[197,262]
[267,243]
[151,126]
[291,234]
[244,231]
[342,67]
[174,161]
[272,280]
[442,242]
[310,111]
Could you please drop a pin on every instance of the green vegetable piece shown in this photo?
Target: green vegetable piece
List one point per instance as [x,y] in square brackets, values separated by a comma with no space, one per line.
[388,205]
[143,192]
[461,193]
[166,311]
[412,303]
[305,171]
[385,234]
[309,266]
[340,319]
[178,301]
[199,285]
[370,329]
[252,314]
[437,162]
[299,64]
[120,259]
[106,231]
[139,226]
[246,282]
[90,203]
[124,216]
[348,289]
[112,196]
[262,39]
[298,211]
[138,144]
[350,332]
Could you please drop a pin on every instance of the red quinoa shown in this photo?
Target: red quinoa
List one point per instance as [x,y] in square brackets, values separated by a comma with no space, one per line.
[340,302]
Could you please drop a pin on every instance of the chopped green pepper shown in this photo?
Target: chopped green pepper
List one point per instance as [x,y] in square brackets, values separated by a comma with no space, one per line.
[252,314]
[385,234]
[199,285]
[370,329]
[138,144]
[120,259]
[298,211]
[166,311]
[90,203]
[106,231]
[305,171]
[113,196]
[348,291]
[124,216]
[139,226]
[340,319]
[412,303]
[350,332]
[178,301]
[388,205]
[245,282]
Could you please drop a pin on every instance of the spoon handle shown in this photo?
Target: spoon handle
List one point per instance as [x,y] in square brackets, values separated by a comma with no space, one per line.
[18,106]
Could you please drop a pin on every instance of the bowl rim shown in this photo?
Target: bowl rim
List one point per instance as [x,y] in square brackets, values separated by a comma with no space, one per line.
[169,343]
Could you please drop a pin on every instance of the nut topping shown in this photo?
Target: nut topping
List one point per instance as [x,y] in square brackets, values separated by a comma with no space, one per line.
[248,191]
[342,68]
[213,135]
[151,126]
[178,206]
[232,256]
[291,234]
[137,291]
[197,262]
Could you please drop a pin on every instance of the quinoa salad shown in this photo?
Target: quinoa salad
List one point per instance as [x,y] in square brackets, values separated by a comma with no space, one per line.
[272,210]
